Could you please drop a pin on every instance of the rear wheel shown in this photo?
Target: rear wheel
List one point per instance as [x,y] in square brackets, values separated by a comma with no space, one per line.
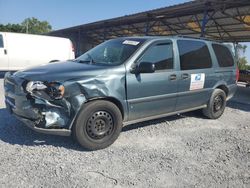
[98,125]
[216,104]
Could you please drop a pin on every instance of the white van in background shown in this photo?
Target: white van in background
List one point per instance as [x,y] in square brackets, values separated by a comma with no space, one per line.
[19,51]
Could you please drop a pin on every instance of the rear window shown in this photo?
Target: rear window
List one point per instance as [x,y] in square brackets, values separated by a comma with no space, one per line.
[223,55]
[194,55]
[1,41]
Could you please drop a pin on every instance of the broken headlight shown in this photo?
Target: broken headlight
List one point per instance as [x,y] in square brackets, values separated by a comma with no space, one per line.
[35,86]
[54,89]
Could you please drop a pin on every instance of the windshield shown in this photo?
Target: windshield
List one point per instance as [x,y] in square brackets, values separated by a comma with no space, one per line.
[112,52]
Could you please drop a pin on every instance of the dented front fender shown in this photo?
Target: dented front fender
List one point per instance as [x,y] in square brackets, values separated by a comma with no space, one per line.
[52,112]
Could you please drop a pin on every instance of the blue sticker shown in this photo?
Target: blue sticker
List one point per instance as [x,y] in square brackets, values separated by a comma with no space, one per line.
[198,77]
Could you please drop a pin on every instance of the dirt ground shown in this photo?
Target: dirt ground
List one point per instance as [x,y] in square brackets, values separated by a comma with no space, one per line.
[185,150]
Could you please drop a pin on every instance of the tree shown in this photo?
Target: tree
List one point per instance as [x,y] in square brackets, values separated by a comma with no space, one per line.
[29,25]
[17,28]
[242,61]
[34,26]
[241,49]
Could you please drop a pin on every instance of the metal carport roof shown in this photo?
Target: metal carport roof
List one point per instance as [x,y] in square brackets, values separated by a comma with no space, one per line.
[224,20]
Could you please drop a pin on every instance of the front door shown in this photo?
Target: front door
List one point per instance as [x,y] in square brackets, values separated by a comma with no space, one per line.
[4,60]
[151,94]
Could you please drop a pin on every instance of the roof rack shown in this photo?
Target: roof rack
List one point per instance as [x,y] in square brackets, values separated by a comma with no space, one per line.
[202,38]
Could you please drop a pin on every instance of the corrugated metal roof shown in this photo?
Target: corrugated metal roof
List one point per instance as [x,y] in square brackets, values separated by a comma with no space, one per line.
[228,20]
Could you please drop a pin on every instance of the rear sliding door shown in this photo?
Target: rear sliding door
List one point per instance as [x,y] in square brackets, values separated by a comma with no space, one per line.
[196,75]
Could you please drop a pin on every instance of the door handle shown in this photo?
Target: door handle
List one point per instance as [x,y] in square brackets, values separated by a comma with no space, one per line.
[5,51]
[172,77]
[184,76]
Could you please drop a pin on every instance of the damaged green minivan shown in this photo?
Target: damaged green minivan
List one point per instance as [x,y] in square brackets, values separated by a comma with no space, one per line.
[123,81]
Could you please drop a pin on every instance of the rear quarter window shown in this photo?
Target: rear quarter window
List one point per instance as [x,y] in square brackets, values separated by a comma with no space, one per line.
[194,55]
[1,41]
[223,55]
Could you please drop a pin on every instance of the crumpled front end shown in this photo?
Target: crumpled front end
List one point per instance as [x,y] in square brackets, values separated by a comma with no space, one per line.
[44,106]
[50,106]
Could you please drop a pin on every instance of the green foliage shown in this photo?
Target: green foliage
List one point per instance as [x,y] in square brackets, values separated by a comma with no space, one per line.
[242,60]
[17,28]
[242,49]
[247,67]
[242,63]
[29,25]
[35,26]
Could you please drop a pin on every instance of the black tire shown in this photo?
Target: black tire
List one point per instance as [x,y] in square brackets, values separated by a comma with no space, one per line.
[98,125]
[216,104]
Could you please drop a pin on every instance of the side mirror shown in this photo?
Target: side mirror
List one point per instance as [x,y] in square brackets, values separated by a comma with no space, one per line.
[144,67]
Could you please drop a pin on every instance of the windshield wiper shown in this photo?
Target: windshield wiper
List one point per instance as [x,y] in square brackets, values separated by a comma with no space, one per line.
[82,61]
[91,58]
[90,61]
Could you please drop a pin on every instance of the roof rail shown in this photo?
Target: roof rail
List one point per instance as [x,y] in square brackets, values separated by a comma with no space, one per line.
[202,38]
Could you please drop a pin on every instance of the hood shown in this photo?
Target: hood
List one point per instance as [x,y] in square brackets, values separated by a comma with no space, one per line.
[60,71]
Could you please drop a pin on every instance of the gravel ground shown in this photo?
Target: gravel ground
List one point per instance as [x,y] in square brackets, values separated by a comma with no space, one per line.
[179,151]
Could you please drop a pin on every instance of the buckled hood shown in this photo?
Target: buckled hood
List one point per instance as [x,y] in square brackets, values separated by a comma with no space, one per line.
[60,71]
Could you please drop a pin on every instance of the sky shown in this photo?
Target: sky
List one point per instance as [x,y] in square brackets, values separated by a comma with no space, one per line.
[66,13]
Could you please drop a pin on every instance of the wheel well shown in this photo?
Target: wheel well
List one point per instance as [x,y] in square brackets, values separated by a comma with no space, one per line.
[113,100]
[224,88]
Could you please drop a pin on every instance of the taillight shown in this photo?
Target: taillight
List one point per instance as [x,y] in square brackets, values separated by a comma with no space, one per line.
[237,74]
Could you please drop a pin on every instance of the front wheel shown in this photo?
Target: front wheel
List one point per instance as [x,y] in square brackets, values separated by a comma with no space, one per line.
[216,104]
[98,125]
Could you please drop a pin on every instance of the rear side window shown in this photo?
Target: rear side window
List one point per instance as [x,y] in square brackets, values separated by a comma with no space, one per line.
[1,41]
[194,55]
[161,55]
[223,55]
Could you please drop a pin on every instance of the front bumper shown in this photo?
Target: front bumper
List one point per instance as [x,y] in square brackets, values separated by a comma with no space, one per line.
[36,113]
[31,125]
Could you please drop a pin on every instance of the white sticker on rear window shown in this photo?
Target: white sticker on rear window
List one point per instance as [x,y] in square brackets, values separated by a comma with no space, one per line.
[131,42]
[197,81]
